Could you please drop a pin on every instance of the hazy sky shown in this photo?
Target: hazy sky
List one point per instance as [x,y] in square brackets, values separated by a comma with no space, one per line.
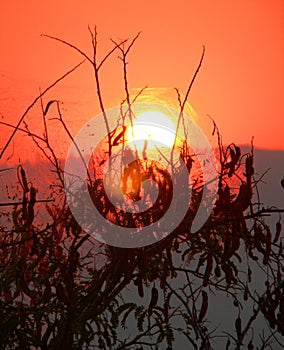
[241,82]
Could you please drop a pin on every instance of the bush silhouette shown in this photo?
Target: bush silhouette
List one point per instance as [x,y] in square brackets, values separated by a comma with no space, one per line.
[61,289]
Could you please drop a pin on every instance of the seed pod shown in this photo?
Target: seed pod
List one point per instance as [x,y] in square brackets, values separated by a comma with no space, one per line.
[238,325]
[231,164]
[278,231]
[281,307]
[208,270]
[24,180]
[228,273]
[235,240]
[47,106]
[154,299]
[246,293]
[31,205]
[140,287]
[204,306]
[268,246]
[164,275]
[32,195]
[249,167]
[249,275]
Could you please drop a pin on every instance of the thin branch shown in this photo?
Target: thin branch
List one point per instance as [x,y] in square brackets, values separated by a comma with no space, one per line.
[193,79]
[23,130]
[182,105]
[107,56]
[20,203]
[34,102]
[70,45]
[73,141]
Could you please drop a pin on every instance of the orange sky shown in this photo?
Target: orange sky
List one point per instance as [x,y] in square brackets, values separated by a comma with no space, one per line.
[241,82]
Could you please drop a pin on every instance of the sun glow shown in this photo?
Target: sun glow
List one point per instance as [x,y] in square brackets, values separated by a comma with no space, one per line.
[151,129]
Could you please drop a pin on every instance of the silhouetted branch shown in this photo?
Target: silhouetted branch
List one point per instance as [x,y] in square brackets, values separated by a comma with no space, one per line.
[21,203]
[34,102]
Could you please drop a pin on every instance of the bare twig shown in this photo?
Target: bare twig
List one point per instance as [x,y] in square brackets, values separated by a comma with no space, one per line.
[34,102]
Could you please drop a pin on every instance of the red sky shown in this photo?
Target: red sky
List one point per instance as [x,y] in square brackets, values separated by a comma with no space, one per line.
[241,82]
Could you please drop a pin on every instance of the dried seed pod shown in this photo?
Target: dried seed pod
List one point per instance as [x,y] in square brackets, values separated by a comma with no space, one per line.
[169,256]
[281,307]
[238,325]
[259,238]
[164,275]
[166,310]
[31,205]
[154,299]
[235,240]
[246,293]
[24,180]
[249,275]
[140,287]
[204,306]
[249,167]
[228,273]
[268,246]
[49,103]
[208,270]
[243,199]
[227,246]
[278,231]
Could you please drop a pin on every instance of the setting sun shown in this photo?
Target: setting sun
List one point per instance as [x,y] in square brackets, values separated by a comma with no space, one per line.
[152,129]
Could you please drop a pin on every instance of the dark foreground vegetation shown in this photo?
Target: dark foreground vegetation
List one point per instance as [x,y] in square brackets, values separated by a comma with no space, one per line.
[62,289]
